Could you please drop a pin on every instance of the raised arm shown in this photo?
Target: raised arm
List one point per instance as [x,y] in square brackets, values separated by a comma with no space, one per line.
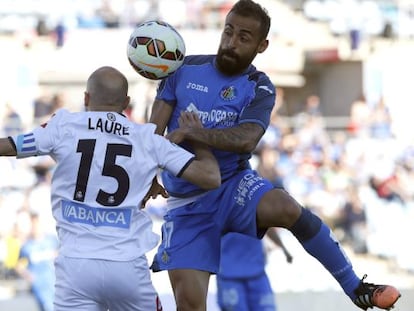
[160,115]
[204,171]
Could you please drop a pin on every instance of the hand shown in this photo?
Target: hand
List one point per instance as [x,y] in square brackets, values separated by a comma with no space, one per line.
[177,136]
[187,121]
[155,190]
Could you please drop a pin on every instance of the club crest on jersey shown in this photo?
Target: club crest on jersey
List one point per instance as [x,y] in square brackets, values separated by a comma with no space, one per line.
[111,116]
[165,257]
[228,93]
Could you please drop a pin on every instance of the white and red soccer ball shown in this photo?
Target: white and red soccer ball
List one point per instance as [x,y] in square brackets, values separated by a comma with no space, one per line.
[155,49]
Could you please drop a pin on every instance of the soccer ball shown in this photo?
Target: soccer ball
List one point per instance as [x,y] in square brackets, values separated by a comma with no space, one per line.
[155,49]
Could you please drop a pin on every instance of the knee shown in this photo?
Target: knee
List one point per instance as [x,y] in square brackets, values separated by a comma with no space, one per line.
[307,226]
[189,302]
[278,209]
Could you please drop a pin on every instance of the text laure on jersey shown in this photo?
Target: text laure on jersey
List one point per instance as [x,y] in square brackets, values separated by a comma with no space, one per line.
[108,126]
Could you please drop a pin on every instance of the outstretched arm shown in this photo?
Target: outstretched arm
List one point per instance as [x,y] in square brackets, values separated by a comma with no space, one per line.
[7,148]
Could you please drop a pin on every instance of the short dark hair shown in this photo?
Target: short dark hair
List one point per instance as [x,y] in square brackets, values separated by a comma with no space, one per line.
[249,8]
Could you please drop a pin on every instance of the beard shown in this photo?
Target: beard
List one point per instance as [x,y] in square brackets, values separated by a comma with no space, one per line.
[229,63]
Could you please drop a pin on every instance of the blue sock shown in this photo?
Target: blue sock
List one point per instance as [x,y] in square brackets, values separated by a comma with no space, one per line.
[318,240]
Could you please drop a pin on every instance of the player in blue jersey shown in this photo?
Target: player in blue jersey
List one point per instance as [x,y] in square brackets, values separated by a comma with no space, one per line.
[105,165]
[242,282]
[233,101]
[36,259]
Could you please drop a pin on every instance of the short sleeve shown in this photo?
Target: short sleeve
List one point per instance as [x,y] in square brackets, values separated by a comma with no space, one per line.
[171,157]
[41,140]
[261,106]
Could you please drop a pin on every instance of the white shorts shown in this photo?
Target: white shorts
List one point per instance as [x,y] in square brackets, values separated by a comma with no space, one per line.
[99,285]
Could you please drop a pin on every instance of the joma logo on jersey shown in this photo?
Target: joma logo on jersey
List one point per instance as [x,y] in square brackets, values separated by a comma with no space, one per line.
[94,216]
[197,87]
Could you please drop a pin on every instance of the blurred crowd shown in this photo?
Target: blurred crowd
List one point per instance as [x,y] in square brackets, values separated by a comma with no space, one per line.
[45,15]
[360,179]
[371,18]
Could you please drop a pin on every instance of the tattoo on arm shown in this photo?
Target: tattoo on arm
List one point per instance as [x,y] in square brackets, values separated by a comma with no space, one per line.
[241,139]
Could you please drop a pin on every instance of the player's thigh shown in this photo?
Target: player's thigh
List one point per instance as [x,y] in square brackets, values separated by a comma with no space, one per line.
[190,240]
[260,294]
[276,208]
[128,286]
[77,281]
[190,288]
[95,285]
[239,202]
[232,295]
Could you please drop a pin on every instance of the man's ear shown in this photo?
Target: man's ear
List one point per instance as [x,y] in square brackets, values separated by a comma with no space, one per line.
[86,98]
[126,103]
[263,46]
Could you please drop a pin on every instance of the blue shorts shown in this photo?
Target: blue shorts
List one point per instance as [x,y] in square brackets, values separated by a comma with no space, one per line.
[244,294]
[191,234]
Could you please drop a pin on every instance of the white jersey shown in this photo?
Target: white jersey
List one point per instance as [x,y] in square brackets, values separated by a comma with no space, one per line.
[105,166]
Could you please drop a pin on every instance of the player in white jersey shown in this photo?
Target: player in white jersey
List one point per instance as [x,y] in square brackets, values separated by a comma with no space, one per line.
[105,165]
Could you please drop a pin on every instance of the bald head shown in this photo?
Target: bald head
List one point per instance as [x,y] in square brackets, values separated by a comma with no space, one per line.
[106,90]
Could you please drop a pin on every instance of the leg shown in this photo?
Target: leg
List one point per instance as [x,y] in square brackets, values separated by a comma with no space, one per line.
[278,209]
[260,293]
[127,286]
[281,210]
[232,294]
[190,252]
[190,289]
[77,280]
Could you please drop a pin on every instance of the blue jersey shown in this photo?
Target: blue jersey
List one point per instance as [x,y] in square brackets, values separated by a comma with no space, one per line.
[221,102]
[242,256]
[40,255]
